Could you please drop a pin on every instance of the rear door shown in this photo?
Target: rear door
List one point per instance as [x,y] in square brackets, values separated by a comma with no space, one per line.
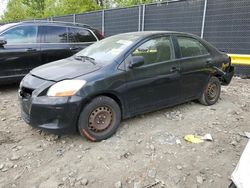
[54,43]
[156,83]
[21,53]
[195,61]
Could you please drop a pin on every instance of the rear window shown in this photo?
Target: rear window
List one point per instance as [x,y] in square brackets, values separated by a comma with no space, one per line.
[191,47]
[54,34]
[80,35]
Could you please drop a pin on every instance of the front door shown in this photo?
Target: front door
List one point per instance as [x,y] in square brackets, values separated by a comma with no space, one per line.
[156,83]
[21,53]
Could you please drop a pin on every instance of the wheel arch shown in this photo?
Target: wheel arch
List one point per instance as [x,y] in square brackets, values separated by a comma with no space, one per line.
[116,98]
[113,96]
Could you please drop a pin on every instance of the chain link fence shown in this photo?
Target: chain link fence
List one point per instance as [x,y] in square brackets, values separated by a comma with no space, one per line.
[224,23]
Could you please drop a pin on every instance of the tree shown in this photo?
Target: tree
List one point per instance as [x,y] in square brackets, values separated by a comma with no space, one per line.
[35,8]
[15,10]
[31,9]
[125,3]
[63,7]
[99,2]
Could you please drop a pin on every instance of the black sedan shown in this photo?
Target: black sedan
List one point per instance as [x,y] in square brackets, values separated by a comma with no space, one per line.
[120,77]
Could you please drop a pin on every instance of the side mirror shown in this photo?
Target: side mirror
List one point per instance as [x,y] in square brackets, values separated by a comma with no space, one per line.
[136,61]
[2,41]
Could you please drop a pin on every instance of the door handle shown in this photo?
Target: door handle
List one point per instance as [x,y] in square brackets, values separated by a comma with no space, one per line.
[74,48]
[31,50]
[175,69]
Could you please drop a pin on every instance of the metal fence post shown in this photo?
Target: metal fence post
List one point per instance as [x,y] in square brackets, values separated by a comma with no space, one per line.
[204,19]
[103,21]
[51,18]
[139,18]
[74,18]
[143,16]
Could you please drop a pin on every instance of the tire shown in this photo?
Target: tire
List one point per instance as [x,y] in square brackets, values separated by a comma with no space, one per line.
[212,92]
[99,119]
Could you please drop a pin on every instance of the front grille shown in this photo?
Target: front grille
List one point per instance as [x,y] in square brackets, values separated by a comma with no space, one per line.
[25,92]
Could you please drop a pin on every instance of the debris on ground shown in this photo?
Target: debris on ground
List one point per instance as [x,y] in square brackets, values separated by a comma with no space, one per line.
[207,137]
[193,139]
[152,185]
[198,139]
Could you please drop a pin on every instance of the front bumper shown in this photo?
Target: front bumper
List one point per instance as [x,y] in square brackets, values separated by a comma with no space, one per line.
[55,114]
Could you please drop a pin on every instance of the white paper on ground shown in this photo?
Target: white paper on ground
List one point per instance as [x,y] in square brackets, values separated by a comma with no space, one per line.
[207,137]
[240,176]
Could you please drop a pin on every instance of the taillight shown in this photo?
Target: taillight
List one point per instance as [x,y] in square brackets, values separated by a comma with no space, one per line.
[101,34]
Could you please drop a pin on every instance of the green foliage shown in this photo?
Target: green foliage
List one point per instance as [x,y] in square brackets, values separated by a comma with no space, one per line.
[15,11]
[125,3]
[35,8]
[63,7]
[30,9]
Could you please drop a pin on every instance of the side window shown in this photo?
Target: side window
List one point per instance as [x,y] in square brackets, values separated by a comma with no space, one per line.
[155,50]
[21,34]
[54,34]
[80,35]
[190,47]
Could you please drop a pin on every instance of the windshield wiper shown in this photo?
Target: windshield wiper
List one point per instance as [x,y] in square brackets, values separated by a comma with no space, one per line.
[84,58]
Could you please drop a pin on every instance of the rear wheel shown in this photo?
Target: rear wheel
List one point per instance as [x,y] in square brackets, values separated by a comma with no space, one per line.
[211,93]
[99,119]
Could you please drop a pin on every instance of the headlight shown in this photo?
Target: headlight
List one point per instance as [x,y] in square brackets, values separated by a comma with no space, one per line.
[65,88]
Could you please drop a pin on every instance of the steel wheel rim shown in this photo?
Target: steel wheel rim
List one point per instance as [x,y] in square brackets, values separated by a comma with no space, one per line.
[100,119]
[212,91]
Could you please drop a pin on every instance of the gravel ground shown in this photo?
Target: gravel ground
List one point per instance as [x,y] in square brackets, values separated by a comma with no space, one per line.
[147,149]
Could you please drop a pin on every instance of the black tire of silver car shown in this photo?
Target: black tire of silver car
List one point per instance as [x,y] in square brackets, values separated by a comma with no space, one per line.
[99,119]
[211,93]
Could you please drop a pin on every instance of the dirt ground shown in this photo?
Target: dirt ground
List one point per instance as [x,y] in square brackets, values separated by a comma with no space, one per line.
[147,149]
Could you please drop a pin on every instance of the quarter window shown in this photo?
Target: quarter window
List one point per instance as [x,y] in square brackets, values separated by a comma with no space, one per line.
[80,35]
[155,50]
[190,47]
[21,34]
[55,34]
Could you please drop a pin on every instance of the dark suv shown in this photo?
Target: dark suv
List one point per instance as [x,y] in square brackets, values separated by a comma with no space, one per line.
[26,45]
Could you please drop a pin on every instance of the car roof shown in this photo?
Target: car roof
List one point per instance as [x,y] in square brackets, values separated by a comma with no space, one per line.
[54,23]
[142,34]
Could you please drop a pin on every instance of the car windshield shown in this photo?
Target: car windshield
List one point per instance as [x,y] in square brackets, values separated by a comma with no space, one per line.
[106,50]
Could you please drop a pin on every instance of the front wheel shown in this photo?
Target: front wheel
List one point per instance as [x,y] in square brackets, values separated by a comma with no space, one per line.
[211,93]
[99,119]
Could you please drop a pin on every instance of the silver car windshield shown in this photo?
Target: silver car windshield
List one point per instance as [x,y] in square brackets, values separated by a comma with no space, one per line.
[108,49]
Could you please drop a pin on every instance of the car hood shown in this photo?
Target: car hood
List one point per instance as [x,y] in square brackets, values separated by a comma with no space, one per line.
[64,69]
